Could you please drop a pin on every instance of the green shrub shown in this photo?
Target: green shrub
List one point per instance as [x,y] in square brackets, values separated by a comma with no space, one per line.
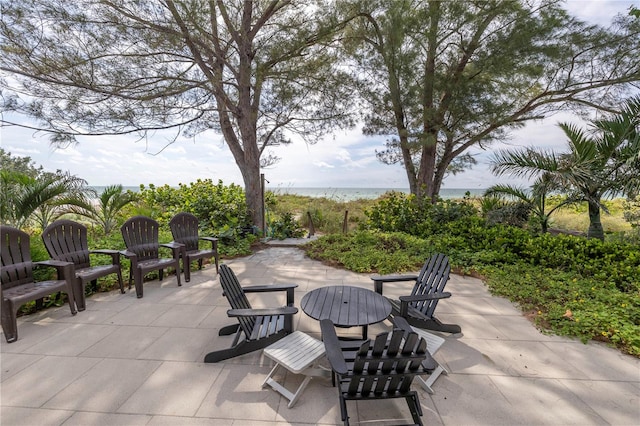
[515,214]
[575,286]
[367,251]
[399,212]
[217,206]
[285,227]
[571,305]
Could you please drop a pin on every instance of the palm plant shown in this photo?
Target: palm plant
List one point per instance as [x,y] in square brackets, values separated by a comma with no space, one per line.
[536,198]
[106,210]
[603,162]
[40,199]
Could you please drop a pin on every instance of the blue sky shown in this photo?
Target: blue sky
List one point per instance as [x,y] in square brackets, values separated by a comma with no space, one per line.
[342,159]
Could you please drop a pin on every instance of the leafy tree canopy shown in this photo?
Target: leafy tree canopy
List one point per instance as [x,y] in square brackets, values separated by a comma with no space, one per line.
[257,71]
[441,77]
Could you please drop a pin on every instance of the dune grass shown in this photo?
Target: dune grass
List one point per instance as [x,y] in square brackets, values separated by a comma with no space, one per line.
[328,213]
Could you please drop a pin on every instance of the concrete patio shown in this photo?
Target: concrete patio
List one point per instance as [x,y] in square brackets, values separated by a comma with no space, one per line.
[128,361]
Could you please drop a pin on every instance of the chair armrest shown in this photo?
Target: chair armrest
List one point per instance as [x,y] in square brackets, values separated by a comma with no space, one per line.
[286,310]
[267,288]
[172,245]
[176,248]
[128,254]
[423,297]
[65,270]
[405,300]
[115,254]
[379,280]
[332,347]
[53,263]
[289,288]
[213,240]
[401,323]
[104,251]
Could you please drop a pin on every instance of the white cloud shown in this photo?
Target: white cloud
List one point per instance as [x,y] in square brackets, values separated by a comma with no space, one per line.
[599,11]
[323,164]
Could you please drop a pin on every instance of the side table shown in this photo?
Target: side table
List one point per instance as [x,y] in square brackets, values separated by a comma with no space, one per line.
[433,344]
[299,353]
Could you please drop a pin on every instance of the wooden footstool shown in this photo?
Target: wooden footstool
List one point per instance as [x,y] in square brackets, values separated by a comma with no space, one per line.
[433,344]
[299,353]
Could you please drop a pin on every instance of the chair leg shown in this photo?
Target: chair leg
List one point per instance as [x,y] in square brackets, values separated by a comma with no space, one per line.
[72,303]
[9,321]
[78,295]
[178,272]
[138,282]
[71,282]
[186,265]
[119,274]
[343,408]
[414,408]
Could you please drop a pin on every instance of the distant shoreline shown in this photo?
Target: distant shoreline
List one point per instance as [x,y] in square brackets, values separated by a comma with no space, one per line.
[340,194]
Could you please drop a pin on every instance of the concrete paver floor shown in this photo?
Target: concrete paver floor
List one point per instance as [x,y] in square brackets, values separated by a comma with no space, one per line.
[128,361]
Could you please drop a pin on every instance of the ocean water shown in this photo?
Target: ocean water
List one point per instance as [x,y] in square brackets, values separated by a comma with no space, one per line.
[348,194]
[345,194]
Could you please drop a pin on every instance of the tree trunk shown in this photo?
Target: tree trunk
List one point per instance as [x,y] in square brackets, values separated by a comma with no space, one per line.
[247,157]
[253,194]
[427,170]
[595,226]
[250,169]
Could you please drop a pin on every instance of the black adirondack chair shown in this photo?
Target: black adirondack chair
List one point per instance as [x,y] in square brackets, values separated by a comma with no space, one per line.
[258,328]
[419,307]
[184,228]
[382,369]
[66,240]
[17,283]
[140,234]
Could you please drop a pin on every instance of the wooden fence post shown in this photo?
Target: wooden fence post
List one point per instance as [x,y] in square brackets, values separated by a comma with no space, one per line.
[345,228]
[312,229]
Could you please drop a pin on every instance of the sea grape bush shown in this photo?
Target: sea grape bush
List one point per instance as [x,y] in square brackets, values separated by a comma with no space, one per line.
[399,212]
[218,207]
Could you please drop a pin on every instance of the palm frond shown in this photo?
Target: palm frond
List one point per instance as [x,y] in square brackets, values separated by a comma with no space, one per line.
[525,163]
[504,190]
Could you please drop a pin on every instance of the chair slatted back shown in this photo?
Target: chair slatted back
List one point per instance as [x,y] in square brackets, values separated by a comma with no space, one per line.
[66,240]
[17,267]
[236,297]
[431,280]
[388,366]
[184,228]
[141,234]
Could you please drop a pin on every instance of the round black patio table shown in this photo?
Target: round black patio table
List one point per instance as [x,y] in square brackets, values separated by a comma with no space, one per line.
[346,306]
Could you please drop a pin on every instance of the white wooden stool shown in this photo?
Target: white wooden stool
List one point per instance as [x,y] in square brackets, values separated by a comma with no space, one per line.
[299,353]
[433,344]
